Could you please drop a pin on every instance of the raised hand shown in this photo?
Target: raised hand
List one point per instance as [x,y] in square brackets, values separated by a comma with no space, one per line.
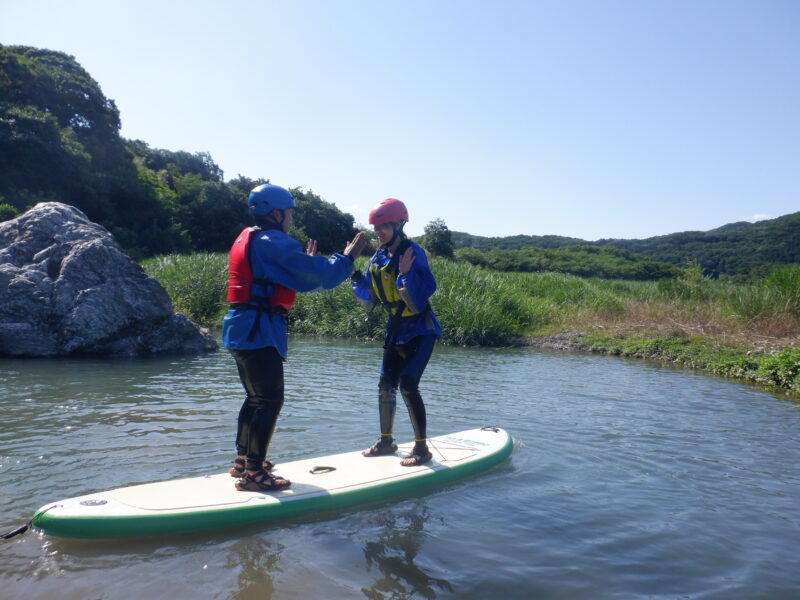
[311,248]
[406,260]
[354,248]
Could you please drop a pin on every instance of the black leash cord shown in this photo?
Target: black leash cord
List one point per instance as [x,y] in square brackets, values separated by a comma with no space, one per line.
[17,531]
[23,528]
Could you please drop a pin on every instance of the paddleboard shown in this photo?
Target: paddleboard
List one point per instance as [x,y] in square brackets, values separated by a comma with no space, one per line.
[319,485]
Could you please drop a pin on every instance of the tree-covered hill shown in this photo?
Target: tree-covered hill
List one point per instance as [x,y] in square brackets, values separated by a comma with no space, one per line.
[736,248]
[512,242]
[59,141]
[582,260]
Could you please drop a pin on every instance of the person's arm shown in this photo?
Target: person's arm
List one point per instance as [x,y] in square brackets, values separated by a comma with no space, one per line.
[361,284]
[415,280]
[283,261]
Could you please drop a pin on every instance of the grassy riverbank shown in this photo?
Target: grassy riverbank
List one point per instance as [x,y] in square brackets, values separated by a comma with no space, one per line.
[745,331]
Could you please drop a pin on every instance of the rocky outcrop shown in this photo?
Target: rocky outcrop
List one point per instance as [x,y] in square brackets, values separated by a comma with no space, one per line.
[67,287]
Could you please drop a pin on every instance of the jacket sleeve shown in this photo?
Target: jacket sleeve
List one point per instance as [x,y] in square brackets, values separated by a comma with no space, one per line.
[362,288]
[285,263]
[418,285]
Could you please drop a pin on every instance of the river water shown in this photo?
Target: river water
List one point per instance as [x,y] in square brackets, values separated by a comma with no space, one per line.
[628,480]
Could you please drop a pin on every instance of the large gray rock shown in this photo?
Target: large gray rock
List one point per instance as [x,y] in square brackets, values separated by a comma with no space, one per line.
[66,287]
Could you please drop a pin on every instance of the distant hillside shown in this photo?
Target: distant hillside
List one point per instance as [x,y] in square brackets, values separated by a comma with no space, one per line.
[584,260]
[513,242]
[732,249]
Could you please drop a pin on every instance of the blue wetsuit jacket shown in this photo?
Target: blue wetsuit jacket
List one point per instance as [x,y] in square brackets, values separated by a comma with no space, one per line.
[279,258]
[418,285]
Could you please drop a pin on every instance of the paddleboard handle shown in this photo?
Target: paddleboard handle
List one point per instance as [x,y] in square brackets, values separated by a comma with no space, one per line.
[490,428]
[321,470]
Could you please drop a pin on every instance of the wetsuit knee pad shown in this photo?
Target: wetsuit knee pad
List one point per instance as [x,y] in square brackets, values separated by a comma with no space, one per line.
[387,398]
[263,402]
[409,386]
[386,385]
[387,403]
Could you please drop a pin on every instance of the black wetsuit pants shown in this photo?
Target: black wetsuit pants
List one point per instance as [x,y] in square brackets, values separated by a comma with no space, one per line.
[261,372]
[403,365]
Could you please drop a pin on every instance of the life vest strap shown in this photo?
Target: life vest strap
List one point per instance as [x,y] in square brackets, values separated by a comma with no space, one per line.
[241,281]
[275,310]
[394,308]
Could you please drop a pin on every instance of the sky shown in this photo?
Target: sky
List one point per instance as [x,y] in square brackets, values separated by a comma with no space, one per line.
[582,118]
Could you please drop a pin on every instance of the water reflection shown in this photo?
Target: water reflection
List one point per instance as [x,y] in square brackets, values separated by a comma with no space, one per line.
[254,560]
[627,480]
[399,542]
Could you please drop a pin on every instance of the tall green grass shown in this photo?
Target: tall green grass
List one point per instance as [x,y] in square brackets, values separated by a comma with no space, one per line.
[479,306]
[682,319]
[335,313]
[771,305]
[197,283]
[779,369]
[778,293]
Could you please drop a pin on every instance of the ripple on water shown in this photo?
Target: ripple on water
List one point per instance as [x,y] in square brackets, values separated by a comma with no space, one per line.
[627,480]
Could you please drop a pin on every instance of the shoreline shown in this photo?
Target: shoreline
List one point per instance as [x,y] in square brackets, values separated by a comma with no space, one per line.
[773,364]
[745,332]
[772,367]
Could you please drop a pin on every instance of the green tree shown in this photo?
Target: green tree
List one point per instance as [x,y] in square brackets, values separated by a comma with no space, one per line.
[59,141]
[322,221]
[214,217]
[241,186]
[7,212]
[437,239]
[208,212]
[180,162]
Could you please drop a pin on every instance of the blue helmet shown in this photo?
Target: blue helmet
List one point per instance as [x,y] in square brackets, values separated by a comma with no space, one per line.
[266,197]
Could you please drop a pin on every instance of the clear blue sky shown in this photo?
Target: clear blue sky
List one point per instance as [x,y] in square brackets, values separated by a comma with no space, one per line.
[590,118]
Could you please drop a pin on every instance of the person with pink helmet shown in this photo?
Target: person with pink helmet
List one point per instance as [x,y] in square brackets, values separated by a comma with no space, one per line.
[399,278]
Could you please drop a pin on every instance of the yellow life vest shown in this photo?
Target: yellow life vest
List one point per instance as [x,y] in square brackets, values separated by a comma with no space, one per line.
[384,284]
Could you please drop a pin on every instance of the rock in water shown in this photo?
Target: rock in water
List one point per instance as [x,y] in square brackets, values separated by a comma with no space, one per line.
[67,287]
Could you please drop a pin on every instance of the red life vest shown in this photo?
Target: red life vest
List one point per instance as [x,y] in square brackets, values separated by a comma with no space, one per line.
[241,280]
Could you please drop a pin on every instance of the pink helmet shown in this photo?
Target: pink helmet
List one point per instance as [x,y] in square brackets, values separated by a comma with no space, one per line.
[390,210]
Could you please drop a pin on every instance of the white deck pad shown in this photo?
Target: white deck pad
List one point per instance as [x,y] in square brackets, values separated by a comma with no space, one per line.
[318,484]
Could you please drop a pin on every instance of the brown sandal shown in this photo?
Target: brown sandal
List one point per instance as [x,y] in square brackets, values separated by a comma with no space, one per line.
[237,470]
[262,482]
[416,458]
[380,448]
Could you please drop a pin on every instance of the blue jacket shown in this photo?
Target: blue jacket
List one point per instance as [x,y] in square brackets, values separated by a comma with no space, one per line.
[416,287]
[276,257]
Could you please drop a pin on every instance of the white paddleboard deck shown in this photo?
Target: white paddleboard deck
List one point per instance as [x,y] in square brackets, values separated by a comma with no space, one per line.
[318,484]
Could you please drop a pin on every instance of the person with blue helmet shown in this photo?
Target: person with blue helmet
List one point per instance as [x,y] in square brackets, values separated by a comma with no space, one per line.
[399,278]
[266,268]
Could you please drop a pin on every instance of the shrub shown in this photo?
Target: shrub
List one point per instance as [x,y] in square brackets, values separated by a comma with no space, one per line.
[197,283]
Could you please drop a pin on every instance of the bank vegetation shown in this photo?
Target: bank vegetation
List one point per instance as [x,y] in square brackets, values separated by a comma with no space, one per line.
[748,331]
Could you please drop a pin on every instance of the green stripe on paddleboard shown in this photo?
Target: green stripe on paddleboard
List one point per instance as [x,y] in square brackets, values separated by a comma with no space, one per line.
[189,522]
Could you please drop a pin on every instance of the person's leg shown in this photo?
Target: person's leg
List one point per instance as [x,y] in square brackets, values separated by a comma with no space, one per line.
[387,401]
[416,354]
[261,372]
[246,410]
